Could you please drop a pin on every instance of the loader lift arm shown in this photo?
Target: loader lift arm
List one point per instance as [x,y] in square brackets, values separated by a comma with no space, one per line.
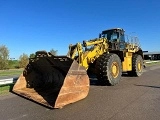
[85,55]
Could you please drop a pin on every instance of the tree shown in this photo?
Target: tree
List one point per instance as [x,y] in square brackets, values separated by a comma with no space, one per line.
[32,55]
[4,57]
[53,52]
[23,60]
[13,64]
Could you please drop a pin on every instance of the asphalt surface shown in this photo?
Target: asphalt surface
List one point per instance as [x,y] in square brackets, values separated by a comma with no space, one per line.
[132,99]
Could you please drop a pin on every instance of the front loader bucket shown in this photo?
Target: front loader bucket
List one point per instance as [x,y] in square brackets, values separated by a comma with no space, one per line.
[53,81]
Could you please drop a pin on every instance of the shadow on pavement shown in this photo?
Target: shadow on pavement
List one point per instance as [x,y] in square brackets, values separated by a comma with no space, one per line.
[93,80]
[149,86]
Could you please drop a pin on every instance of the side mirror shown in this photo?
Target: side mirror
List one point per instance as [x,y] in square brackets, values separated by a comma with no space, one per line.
[100,35]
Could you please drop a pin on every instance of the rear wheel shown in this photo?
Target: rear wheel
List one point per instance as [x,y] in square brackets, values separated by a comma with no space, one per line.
[137,66]
[108,69]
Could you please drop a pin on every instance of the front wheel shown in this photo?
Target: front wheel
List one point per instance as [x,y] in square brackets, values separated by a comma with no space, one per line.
[109,69]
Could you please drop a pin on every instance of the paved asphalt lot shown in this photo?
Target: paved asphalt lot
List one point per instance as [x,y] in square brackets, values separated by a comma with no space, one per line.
[132,99]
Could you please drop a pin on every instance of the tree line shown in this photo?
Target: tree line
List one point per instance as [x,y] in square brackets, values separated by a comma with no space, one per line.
[10,63]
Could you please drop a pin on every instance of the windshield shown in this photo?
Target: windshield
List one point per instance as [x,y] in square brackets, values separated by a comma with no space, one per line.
[114,36]
[110,35]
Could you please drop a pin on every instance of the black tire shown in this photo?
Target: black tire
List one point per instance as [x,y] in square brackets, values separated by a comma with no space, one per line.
[137,66]
[104,69]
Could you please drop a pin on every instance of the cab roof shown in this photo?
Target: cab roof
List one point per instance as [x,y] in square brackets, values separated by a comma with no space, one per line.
[120,29]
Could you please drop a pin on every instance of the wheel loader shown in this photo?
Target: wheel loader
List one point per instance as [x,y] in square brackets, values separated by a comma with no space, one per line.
[55,81]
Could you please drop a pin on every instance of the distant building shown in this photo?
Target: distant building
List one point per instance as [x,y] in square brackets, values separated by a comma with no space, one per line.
[151,55]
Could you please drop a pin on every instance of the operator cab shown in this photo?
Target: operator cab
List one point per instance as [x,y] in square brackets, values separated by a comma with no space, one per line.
[115,38]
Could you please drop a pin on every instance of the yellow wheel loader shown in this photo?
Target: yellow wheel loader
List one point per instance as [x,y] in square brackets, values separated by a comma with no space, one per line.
[56,81]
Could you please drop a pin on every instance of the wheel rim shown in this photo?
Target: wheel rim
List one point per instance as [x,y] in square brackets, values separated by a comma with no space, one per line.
[115,69]
[139,66]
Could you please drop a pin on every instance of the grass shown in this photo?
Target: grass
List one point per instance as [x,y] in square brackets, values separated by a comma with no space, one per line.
[151,64]
[4,89]
[10,72]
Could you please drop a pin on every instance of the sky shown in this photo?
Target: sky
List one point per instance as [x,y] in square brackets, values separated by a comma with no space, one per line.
[27,26]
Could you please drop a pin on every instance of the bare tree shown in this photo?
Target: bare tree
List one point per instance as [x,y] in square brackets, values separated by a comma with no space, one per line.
[4,57]
[23,60]
[53,52]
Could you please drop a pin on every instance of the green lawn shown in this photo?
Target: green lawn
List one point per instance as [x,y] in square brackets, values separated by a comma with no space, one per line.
[4,89]
[151,64]
[10,72]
